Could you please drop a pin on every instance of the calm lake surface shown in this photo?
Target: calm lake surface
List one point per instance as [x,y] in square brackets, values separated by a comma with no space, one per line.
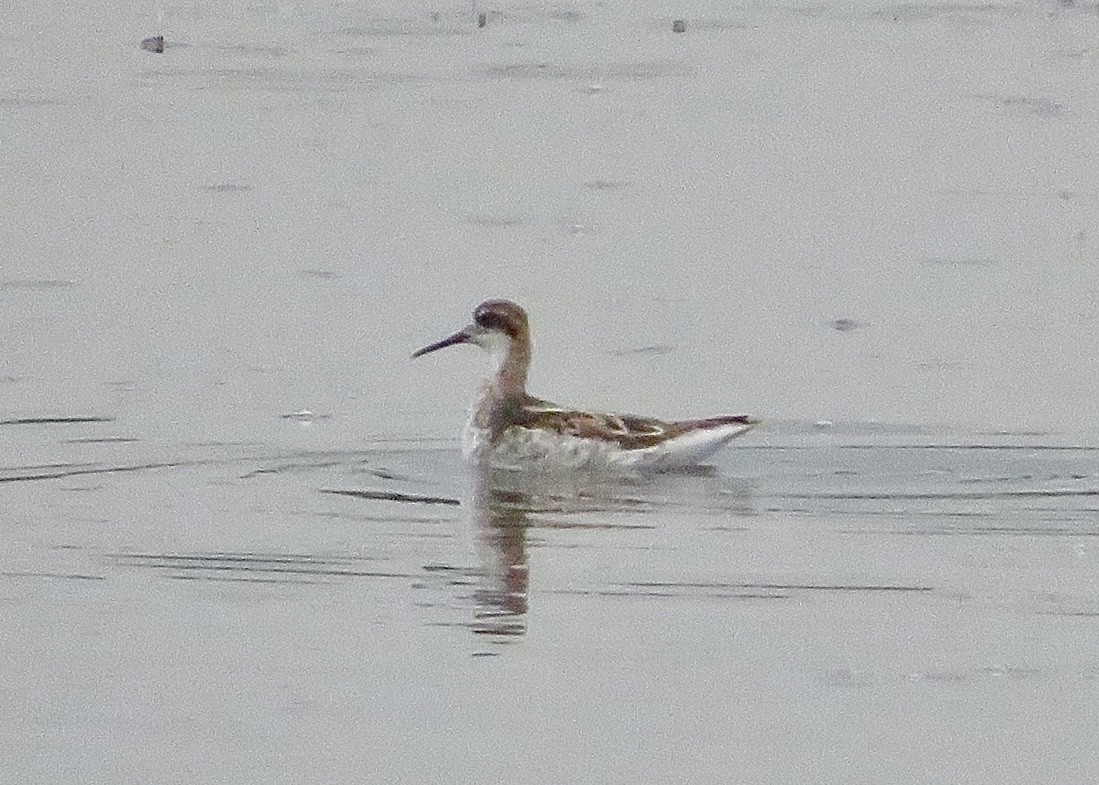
[238,543]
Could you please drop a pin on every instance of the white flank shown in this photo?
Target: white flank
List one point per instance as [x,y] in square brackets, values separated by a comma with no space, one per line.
[536,448]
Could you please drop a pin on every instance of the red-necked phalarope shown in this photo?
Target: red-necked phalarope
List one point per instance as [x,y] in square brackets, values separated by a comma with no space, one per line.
[512,428]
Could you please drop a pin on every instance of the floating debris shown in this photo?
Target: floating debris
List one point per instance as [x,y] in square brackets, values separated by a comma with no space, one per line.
[153,44]
[679,26]
[305,416]
[844,325]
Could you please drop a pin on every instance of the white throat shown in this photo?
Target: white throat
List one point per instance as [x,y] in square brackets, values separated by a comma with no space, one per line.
[497,344]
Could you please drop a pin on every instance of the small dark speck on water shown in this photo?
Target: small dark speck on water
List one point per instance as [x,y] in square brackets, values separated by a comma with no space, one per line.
[227,188]
[606,185]
[569,15]
[35,283]
[845,325]
[1026,104]
[942,261]
[326,275]
[652,350]
[496,221]
[304,416]
[153,44]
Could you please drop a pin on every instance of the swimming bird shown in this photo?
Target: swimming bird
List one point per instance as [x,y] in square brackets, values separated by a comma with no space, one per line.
[513,429]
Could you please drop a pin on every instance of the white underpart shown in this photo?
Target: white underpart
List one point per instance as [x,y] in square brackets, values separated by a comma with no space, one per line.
[475,436]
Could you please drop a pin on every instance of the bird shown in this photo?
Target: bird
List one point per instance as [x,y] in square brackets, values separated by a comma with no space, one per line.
[508,428]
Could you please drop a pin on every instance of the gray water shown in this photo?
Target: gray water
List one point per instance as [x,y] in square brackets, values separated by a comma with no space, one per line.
[238,543]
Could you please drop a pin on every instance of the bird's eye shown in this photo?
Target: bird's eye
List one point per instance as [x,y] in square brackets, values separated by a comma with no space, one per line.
[489,320]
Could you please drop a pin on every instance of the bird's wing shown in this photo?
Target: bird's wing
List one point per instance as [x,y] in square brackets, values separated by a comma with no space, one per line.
[629,431]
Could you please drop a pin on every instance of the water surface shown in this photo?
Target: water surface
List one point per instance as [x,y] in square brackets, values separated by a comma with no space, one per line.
[238,544]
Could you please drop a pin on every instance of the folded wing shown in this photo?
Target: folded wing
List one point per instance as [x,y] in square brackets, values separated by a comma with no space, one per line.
[628,431]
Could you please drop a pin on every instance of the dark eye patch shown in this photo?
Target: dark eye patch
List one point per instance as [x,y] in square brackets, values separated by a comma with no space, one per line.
[490,320]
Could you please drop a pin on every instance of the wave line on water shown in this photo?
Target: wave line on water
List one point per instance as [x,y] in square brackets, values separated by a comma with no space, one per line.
[948,495]
[778,586]
[394,496]
[53,473]
[56,420]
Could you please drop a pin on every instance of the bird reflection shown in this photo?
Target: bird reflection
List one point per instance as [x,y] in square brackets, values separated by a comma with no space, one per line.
[499,519]
[502,506]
